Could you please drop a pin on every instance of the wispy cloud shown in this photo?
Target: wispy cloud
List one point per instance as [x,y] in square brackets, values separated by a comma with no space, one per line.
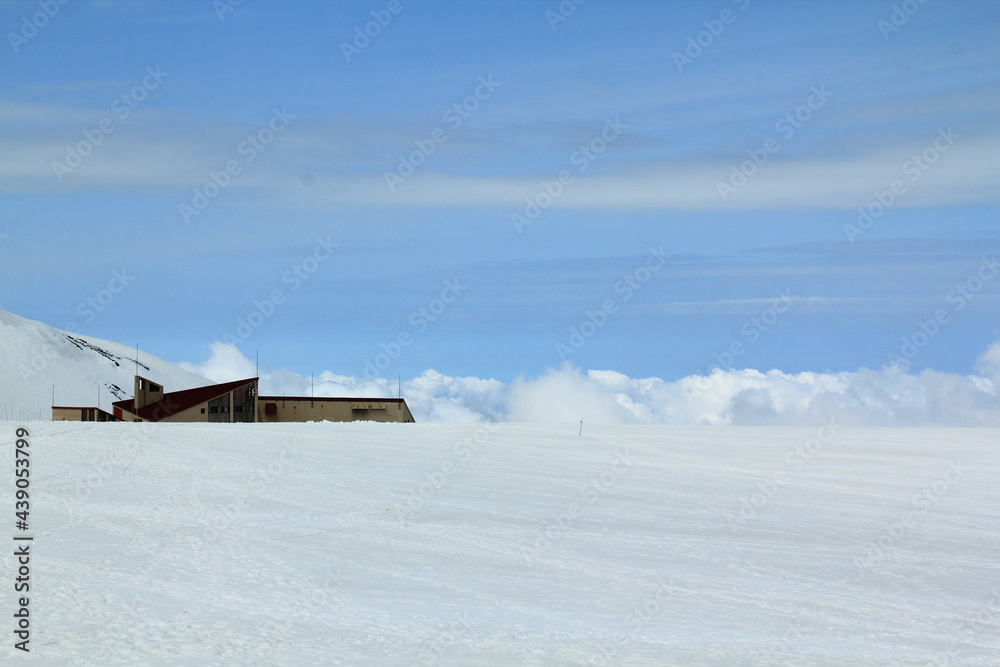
[883,304]
[347,165]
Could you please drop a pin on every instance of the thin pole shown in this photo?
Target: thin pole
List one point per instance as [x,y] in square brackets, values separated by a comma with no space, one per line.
[581,428]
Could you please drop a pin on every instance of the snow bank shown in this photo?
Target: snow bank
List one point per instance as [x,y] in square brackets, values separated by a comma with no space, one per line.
[392,544]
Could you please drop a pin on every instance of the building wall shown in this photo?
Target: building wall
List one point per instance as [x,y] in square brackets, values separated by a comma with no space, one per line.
[243,407]
[145,392]
[67,414]
[194,414]
[218,409]
[237,406]
[61,414]
[280,409]
[125,415]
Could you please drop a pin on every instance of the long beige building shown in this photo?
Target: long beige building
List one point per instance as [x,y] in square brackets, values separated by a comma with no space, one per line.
[233,402]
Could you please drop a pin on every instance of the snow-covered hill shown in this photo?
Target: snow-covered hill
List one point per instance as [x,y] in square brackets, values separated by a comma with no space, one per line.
[85,371]
[508,544]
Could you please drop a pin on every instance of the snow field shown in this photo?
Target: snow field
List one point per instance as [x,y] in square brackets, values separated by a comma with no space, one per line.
[401,544]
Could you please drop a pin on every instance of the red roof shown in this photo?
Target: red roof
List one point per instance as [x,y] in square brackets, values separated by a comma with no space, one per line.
[179,401]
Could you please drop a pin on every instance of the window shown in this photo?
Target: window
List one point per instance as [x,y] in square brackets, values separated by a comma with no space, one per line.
[213,410]
[203,411]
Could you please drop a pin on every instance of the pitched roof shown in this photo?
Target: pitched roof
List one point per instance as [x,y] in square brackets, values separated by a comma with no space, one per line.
[178,401]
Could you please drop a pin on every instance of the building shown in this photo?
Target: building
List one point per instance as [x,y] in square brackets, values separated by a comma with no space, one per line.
[67,414]
[284,409]
[236,402]
[227,402]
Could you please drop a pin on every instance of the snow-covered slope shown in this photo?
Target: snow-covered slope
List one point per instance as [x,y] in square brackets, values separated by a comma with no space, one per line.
[509,544]
[84,370]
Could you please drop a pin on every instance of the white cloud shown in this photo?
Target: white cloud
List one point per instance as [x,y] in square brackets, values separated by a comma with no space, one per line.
[186,152]
[565,395]
[989,363]
[886,397]
[225,363]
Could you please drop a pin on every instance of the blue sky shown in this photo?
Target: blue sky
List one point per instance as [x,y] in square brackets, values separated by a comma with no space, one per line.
[837,97]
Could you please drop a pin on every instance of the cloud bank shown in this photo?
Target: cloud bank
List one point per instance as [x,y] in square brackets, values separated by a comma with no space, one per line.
[890,396]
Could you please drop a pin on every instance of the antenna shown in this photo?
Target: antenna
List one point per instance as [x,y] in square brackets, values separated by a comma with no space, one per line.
[137,358]
[258,362]
[399,386]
